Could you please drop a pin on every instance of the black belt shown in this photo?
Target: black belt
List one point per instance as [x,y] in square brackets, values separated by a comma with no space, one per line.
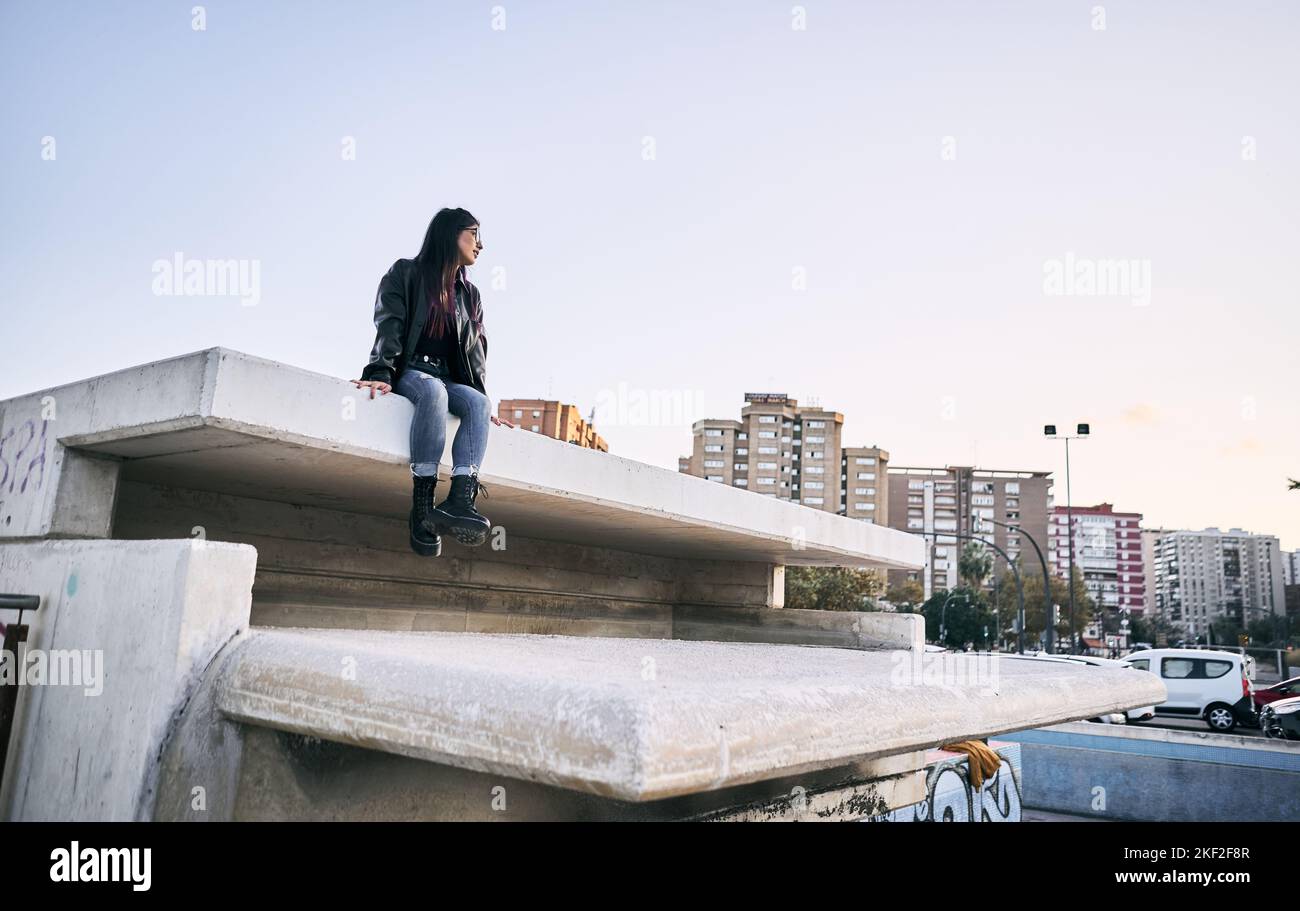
[430,364]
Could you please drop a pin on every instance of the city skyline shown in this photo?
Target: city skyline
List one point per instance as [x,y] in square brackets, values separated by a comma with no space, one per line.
[952,227]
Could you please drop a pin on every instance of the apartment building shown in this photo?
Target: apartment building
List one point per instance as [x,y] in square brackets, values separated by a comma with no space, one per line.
[1107,552]
[782,449]
[1203,575]
[865,474]
[953,500]
[1291,567]
[553,419]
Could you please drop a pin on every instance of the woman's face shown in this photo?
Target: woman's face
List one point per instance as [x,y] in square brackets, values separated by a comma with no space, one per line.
[469,246]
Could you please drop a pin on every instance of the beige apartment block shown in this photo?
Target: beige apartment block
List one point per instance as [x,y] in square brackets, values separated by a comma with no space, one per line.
[781,449]
[553,419]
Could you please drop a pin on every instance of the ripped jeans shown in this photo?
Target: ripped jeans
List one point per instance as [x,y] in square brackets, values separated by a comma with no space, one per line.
[433,397]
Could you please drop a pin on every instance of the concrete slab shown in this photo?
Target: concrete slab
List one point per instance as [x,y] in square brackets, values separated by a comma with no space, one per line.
[644,719]
[144,619]
[223,421]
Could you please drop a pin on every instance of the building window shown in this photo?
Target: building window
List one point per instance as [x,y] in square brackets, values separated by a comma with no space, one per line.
[518,413]
[717,447]
[814,439]
[814,469]
[741,482]
[713,463]
[767,466]
[814,501]
[767,450]
[1012,487]
[817,485]
[767,419]
[708,432]
[767,434]
[865,507]
[536,429]
[866,475]
[865,460]
[742,451]
[767,480]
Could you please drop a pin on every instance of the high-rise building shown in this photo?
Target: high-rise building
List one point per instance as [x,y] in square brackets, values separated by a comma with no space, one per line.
[782,449]
[1291,567]
[1150,537]
[864,471]
[1201,576]
[953,499]
[553,419]
[1107,553]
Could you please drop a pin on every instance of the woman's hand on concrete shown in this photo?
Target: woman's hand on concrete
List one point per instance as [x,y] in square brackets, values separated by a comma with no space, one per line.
[498,421]
[373,385]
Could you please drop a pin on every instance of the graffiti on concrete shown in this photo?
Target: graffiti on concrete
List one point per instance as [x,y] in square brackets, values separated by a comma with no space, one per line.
[22,453]
[950,796]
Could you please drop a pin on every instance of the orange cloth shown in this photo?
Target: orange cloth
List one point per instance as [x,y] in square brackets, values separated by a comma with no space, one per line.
[983,762]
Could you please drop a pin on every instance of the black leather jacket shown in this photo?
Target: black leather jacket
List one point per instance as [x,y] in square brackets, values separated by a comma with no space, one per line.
[398,325]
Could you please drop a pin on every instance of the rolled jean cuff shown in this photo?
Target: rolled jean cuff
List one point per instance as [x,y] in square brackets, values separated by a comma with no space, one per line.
[464,469]
[425,469]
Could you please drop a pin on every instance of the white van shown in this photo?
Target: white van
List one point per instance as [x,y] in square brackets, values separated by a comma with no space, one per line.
[1202,683]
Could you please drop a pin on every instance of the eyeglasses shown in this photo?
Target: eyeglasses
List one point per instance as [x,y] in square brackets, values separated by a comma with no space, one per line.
[477,235]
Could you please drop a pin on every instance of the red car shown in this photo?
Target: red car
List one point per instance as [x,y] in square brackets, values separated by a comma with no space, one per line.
[1284,690]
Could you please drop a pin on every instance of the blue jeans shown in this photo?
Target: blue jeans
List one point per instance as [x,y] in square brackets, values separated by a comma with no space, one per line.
[433,397]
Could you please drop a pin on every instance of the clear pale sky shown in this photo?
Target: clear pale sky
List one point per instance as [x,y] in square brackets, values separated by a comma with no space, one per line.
[924,318]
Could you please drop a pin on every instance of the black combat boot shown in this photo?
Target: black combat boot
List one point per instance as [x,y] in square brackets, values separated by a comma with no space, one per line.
[424,534]
[457,514]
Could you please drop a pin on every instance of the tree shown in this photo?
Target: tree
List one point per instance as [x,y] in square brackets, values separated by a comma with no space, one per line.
[965,619]
[831,588]
[1035,612]
[907,595]
[974,564]
[1226,631]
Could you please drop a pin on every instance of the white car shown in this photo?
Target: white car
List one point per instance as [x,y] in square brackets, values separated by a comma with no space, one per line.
[1132,716]
[1202,683]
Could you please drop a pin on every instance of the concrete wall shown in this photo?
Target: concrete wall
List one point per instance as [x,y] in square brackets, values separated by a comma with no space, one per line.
[329,568]
[952,796]
[151,615]
[1139,773]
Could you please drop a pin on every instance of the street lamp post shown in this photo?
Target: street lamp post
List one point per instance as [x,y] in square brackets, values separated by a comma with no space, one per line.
[1020,588]
[1047,581]
[1082,431]
[943,615]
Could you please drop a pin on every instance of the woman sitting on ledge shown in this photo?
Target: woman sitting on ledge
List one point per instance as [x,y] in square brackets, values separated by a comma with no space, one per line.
[431,348]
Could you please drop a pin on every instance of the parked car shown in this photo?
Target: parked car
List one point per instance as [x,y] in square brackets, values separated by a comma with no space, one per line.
[1284,690]
[1132,716]
[1280,719]
[1211,685]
